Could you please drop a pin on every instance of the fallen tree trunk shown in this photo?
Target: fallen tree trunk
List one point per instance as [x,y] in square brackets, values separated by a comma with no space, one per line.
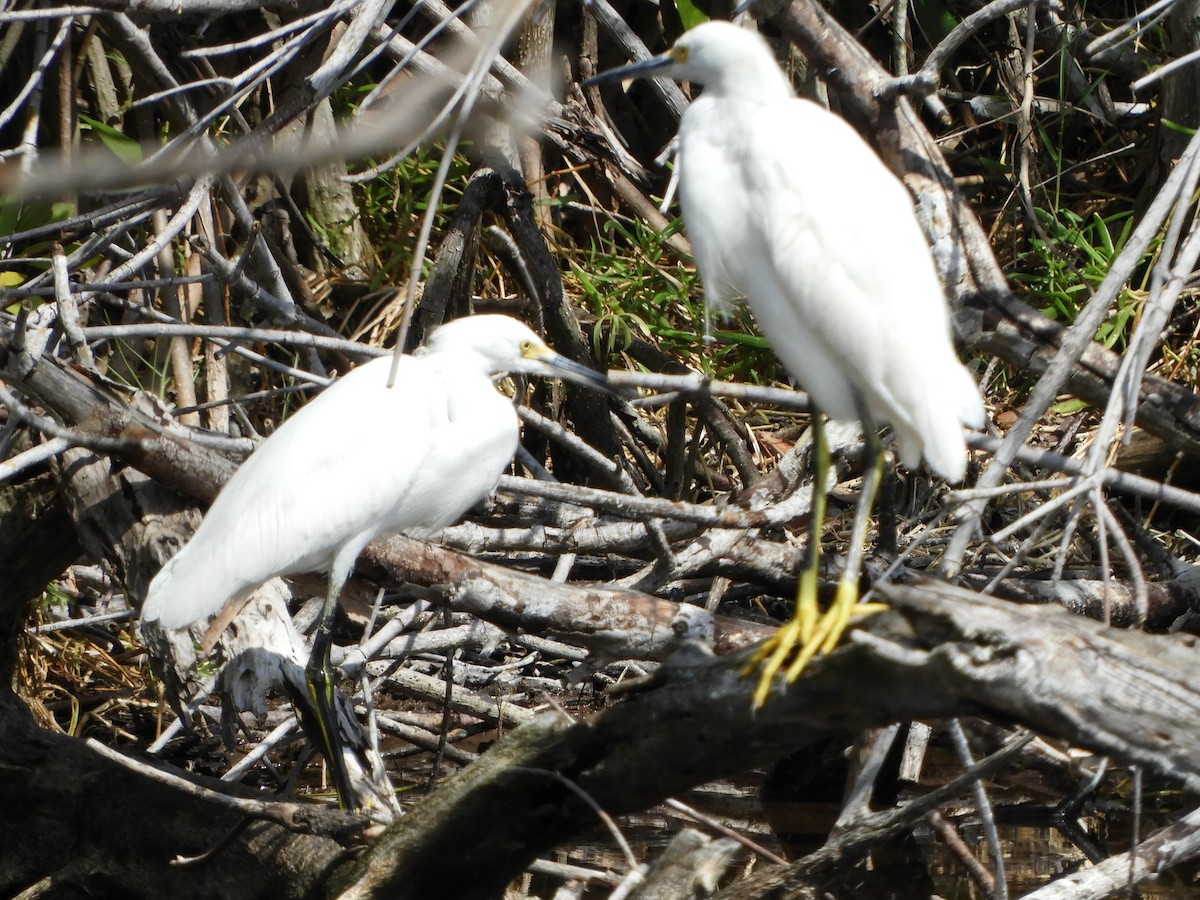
[940,652]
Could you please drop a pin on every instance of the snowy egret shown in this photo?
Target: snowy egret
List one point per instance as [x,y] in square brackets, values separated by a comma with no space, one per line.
[788,206]
[360,461]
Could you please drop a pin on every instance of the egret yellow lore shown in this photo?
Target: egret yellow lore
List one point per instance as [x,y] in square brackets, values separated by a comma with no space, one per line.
[786,205]
[358,462]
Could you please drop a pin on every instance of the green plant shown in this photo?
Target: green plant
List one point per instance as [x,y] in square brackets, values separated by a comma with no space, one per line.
[638,286]
[392,205]
[1061,270]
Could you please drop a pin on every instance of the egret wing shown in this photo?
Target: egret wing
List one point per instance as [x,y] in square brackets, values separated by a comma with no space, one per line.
[330,471]
[843,261]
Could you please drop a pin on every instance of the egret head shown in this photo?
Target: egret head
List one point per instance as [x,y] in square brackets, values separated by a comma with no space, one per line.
[506,345]
[719,55]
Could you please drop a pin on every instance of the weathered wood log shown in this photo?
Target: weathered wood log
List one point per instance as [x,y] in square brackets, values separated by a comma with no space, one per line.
[941,651]
[78,823]
[39,543]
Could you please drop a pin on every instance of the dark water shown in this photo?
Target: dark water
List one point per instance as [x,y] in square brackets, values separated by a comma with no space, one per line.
[923,865]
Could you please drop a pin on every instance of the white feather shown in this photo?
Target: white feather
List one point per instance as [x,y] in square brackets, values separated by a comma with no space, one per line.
[360,461]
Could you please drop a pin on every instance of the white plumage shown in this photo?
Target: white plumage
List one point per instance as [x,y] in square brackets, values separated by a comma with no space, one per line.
[360,461]
[786,205]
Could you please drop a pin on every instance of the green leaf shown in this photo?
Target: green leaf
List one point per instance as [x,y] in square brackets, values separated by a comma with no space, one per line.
[123,147]
[18,215]
[935,18]
[689,15]
[1069,407]
[11,280]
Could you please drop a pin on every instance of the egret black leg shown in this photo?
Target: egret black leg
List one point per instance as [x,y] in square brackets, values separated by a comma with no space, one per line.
[321,689]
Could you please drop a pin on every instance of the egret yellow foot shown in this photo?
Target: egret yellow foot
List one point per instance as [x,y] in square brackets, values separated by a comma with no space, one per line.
[805,636]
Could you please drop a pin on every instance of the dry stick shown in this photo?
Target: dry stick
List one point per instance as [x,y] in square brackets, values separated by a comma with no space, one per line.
[251,78]
[988,819]
[509,14]
[1075,340]
[505,71]
[99,172]
[304,817]
[1025,131]
[279,307]
[92,241]
[782,398]
[413,56]
[234,347]
[1135,831]
[271,35]
[179,352]
[1171,271]
[261,749]
[610,20]
[31,458]
[445,19]
[557,532]
[1188,59]
[1169,274]
[534,57]
[980,492]
[870,752]
[568,872]
[471,702]
[1134,25]
[21,412]
[196,195]
[637,507]
[724,830]
[68,311]
[49,12]
[609,823]
[429,741]
[27,150]
[654,531]
[925,80]
[1170,847]
[949,836]
[858,839]
[900,39]
[137,43]
[115,213]
[228,333]
[256,247]
[33,86]
[208,295]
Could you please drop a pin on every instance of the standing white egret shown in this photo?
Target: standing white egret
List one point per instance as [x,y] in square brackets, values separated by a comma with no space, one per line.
[788,206]
[360,461]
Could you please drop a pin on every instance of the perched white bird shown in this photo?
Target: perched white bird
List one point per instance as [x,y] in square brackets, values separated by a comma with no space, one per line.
[360,461]
[788,206]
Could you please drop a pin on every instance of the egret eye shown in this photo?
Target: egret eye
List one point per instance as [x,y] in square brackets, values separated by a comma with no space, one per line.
[526,347]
